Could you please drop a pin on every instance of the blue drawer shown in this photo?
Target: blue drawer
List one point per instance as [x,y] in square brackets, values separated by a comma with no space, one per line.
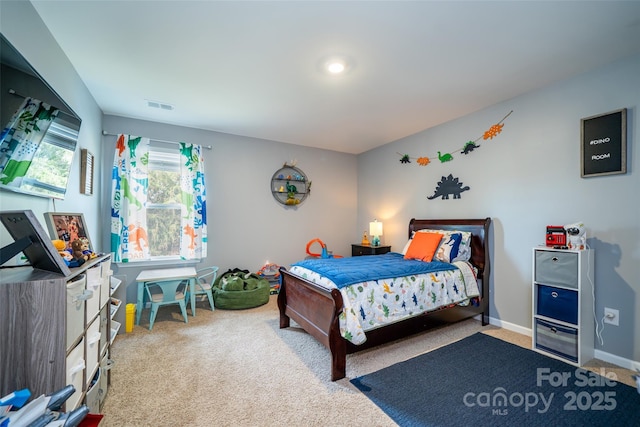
[556,339]
[559,304]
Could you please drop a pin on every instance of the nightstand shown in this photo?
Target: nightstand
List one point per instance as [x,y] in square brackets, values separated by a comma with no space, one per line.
[358,250]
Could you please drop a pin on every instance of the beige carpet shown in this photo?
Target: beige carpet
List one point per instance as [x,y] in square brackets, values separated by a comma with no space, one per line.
[237,368]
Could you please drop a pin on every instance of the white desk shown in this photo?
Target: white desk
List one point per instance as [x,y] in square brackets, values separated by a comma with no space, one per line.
[187,273]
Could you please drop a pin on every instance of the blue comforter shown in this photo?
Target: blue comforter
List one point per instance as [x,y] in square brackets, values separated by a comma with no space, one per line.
[347,271]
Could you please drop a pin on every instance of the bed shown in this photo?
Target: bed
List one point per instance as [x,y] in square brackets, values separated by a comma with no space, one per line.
[317,308]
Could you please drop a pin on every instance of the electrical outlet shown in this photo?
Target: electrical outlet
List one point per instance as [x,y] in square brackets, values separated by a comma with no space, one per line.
[611,316]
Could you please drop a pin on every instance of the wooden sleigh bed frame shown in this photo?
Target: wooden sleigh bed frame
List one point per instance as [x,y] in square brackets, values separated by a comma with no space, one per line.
[316,309]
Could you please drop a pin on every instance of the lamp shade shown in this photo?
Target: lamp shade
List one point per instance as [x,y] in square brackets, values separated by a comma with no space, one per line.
[375,228]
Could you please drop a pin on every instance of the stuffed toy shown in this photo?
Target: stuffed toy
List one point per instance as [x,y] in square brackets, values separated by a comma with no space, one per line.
[60,246]
[239,289]
[88,253]
[232,283]
[77,248]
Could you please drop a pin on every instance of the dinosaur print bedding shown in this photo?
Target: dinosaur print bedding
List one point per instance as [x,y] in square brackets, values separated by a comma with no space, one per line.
[375,303]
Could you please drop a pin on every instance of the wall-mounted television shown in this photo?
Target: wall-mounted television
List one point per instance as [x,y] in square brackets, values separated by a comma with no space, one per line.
[47,173]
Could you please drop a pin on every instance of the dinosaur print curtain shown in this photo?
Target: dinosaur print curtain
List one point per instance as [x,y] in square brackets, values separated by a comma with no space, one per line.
[130,185]
[193,240]
[22,137]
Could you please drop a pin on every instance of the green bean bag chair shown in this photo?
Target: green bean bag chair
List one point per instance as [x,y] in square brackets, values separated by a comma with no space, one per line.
[238,289]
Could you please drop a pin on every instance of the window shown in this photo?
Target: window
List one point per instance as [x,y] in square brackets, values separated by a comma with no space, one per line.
[158,208]
[163,204]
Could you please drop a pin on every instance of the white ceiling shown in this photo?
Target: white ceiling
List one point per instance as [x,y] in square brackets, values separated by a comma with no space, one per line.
[252,68]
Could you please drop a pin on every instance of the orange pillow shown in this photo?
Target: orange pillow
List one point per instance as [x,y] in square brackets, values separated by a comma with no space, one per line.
[423,246]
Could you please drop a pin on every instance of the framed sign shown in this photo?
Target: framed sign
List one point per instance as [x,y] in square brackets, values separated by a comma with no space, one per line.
[67,227]
[603,149]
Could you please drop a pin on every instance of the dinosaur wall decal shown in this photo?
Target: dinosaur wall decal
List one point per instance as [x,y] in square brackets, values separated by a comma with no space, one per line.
[448,186]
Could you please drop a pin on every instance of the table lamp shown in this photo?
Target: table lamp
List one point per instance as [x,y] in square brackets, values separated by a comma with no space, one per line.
[375,229]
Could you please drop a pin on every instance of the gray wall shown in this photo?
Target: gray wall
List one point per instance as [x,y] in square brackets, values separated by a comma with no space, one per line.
[24,29]
[246,226]
[526,178]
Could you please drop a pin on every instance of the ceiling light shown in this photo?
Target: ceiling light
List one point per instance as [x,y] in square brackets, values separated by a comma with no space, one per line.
[335,67]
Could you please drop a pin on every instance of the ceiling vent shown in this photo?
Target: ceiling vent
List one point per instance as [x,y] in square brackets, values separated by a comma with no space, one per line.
[160,105]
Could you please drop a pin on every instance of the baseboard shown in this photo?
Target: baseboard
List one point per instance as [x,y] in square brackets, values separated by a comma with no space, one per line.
[598,354]
[510,326]
[617,360]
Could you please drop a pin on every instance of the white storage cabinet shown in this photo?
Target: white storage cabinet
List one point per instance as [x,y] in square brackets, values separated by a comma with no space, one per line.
[563,319]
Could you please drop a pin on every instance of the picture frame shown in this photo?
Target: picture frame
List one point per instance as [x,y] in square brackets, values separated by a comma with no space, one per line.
[603,147]
[86,172]
[67,227]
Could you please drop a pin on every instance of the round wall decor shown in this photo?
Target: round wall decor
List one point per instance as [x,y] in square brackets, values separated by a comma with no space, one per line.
[290,186]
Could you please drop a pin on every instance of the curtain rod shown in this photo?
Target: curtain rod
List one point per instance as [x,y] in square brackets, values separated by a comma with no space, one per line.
[13,92]
[104,132]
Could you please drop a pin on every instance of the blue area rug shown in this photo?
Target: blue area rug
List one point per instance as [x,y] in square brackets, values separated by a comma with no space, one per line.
[484,381]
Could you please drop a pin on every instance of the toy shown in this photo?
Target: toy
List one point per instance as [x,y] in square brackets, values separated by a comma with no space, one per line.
[271,272]
[60,246]
[576,235]
[85,249]
[78,247]
[324,254]
[365,239]
[291,194]
[239,289]
[556,236]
